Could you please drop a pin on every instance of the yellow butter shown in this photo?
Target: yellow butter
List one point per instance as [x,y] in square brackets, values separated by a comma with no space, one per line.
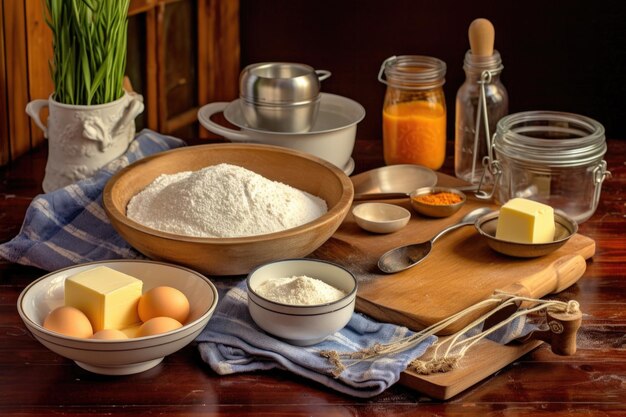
[108,297]
[526,221]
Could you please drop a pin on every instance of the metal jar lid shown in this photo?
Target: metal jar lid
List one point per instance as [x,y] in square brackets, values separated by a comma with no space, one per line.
[550,138]
[282,83]
[414,72]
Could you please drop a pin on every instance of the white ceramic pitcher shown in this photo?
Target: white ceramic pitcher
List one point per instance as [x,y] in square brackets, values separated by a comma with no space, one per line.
[82,139]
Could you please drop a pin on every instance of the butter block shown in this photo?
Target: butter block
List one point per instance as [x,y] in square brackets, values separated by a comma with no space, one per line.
[108,297]
[526,221]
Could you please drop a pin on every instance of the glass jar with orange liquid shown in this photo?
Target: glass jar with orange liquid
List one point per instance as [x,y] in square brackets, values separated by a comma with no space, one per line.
[414,110]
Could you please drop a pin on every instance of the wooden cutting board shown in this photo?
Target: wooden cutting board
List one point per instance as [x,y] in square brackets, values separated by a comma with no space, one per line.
[460,271]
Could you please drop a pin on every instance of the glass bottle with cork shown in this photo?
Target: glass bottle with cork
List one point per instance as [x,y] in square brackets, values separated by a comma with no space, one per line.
[481,101]
[414,110]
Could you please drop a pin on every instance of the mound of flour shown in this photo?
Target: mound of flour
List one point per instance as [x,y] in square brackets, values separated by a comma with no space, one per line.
[299,290]
[222,201]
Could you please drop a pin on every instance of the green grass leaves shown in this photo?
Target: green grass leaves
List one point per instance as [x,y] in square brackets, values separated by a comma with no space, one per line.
[89,40]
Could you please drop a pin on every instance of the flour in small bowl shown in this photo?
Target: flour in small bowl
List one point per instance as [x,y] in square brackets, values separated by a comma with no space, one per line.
[222,201]
[299,290]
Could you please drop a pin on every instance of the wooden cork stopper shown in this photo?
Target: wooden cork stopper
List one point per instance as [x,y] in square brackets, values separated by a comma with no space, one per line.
[481,37]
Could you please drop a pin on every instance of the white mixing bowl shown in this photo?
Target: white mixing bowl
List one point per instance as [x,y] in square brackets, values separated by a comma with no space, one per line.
[331,137]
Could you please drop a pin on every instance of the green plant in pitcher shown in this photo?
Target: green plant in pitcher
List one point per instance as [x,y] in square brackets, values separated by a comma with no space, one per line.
[89,41]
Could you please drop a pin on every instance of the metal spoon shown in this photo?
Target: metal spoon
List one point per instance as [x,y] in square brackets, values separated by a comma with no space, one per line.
[404,257]
[399,195]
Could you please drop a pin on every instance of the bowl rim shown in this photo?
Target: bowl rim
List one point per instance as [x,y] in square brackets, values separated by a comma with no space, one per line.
[54,336]
[348,297]
[345,199]
[406,214]
[234,106]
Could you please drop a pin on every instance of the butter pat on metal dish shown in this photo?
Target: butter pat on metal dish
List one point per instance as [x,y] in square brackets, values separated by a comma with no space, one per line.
[526,221]
[107,297]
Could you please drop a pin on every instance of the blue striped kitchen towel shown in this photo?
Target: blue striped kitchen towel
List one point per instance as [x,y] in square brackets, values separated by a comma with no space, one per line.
[69,226]
[233,343]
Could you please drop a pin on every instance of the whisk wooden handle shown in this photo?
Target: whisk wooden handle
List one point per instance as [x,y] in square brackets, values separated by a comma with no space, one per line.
[563,327]
[561,332]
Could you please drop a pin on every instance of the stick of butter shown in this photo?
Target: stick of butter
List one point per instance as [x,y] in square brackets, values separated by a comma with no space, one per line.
[525,221]
[108,297]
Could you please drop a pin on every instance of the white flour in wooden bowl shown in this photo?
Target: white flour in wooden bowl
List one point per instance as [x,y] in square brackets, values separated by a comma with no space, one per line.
[222,201]
[299,290]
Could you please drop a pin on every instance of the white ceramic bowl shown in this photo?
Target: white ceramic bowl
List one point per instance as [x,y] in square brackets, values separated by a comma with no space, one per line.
[331,137]
[297,324]
[119,357]
[381,217]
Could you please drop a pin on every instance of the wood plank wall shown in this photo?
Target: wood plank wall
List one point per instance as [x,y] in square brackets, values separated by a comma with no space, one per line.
[25,74]
[26,49]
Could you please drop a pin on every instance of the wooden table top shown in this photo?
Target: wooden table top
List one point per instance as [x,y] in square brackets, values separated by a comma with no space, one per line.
[34,381]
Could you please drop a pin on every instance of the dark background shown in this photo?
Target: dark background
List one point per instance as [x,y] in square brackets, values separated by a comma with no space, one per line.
[557,55]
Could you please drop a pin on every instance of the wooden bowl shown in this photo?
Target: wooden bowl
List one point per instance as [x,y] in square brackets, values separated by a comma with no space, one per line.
[231,256]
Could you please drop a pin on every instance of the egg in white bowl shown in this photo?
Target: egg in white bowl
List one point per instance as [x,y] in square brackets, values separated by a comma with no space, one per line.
[119,356]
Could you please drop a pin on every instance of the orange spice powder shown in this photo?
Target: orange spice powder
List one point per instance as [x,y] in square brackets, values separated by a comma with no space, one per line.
[439,199]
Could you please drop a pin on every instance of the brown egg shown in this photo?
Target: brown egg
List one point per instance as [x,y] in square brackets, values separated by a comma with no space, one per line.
[158,325]
[132,331]
[69,321]
[109,334]
[163,302]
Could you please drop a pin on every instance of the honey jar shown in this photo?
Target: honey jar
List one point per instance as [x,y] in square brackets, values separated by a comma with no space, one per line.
[414,111]
[552,157]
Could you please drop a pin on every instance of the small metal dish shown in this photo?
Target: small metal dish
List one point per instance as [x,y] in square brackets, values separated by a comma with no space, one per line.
[436,210]
[381,217]
[392,179]
[565,227]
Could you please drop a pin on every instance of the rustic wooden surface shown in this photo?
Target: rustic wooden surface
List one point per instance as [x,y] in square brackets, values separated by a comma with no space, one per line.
[35,381]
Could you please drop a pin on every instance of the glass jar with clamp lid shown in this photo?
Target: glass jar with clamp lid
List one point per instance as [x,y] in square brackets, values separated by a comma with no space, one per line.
[552,157]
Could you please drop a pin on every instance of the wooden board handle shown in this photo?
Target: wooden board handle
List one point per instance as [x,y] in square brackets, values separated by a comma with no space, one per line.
[562,273]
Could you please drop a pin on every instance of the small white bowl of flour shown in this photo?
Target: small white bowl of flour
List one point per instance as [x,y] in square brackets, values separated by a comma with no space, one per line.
[301,301]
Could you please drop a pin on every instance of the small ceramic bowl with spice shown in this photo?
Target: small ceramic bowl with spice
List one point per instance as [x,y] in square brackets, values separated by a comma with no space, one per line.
[381,217]
[301,301]
[437,201]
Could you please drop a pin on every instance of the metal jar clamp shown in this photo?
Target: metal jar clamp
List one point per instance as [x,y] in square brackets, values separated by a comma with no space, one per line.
[490,163]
